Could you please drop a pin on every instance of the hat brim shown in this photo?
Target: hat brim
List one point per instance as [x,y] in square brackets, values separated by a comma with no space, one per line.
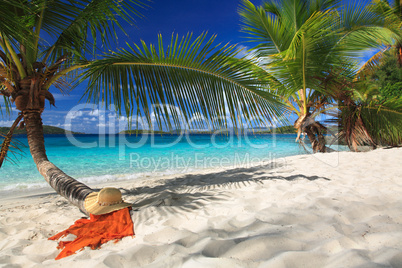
[92,206]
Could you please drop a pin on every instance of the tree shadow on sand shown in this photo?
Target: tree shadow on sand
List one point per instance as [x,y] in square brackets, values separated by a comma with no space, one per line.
[191,191]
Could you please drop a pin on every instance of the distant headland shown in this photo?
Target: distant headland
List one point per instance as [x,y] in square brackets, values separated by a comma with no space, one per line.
[46,130]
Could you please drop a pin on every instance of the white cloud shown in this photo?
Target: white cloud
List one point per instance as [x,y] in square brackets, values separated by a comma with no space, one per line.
[243,51]
[123,119]
[59,96]
[102,117]
[65,126]
[6,123]
[94,112]
[75,114]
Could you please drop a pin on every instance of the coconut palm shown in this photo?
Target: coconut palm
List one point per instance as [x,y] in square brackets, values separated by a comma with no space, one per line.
[369,115]
[391,18]
[55,44]
[301,42]
[392,14]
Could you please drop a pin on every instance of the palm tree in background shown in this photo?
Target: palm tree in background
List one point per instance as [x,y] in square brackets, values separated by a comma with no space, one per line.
[300,43]
[369,114]
[391,14]
[55,44]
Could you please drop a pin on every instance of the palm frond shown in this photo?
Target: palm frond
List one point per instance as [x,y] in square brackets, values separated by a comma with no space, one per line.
[5,94]
[6,106]
[14,23]
[196,76]
[320,5]
[365,120]
[353,130]
[73,27]
[7,140]
[267,29]
[363,28]
[390,14]
[313,39]
[80,25]
[370,66]
[384,122]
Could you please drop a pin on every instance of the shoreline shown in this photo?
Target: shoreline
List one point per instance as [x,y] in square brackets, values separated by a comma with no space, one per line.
[322,210]
[129,158]
[178,168]
[157,176]
[126,163]
[279,162]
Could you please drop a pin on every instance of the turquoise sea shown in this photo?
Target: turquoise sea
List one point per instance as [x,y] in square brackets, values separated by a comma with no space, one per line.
[100,158]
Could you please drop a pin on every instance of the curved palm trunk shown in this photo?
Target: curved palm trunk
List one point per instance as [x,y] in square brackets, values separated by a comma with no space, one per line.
[315,134]
[314,131]
[354,131]
[73,190]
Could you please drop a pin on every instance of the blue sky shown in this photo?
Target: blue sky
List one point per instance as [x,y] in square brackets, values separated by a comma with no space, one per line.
[165,17]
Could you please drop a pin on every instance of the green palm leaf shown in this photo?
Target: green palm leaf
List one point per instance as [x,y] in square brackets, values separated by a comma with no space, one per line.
[384,122]
[73,27]
[14,23]
[372,124]
[196,76]
[80,27]
[370,66]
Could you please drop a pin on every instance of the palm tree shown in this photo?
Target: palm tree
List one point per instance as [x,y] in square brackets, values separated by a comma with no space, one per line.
[48,44]
[368,114]
[391,18]
[299,43]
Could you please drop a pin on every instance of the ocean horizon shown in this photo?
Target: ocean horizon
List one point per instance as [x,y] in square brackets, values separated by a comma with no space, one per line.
[94,159]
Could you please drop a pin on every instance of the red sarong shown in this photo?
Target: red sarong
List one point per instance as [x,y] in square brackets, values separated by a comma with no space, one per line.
[95,231]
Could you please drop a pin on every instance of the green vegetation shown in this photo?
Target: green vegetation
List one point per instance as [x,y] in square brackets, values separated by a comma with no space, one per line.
[388,77]
[46,130]
[371,105]
[142,131]
[278,130]
[308,50]
[303,64]
[46,44]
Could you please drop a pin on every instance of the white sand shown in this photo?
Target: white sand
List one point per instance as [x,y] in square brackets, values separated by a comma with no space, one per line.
[324,210]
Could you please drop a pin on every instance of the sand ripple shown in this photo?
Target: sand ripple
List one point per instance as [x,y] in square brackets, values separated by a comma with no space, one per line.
[325,210]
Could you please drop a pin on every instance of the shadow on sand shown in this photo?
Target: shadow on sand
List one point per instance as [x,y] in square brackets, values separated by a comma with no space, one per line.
[191,191]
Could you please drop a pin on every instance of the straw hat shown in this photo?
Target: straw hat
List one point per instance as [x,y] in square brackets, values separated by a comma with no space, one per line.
[106,201]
